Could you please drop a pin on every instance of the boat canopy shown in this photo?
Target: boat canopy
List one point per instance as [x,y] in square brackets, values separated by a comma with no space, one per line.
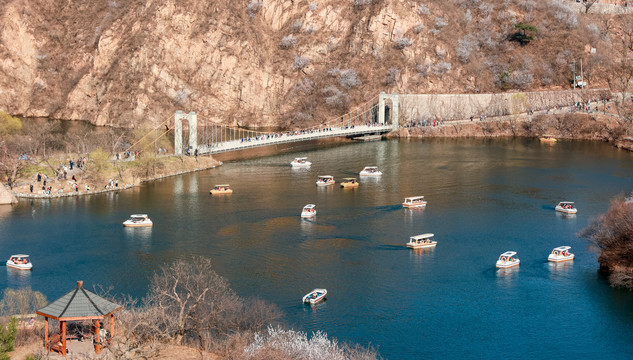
[300,158]
[566,203]
[508,253]
[547,135]
[371,168]
[19,256]
[139,216]
[349,179]
[223,185]
[309,206]
[325,176]
[562,248]
[422,236]
[413,198]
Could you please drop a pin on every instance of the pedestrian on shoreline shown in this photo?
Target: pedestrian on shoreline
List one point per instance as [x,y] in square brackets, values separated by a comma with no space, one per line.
[31,188]
[116,183]
[39,177]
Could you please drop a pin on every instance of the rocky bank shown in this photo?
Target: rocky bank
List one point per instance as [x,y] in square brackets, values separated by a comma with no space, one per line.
[560,124]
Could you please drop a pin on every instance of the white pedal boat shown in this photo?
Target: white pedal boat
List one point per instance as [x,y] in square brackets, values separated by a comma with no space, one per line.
[300,162]
[315,296]
[325,180]
[138,220]
[308,211]
[20,262]
[370,171]
[414,202]
[561,254]
[566,207]
[507,260]
[421,241]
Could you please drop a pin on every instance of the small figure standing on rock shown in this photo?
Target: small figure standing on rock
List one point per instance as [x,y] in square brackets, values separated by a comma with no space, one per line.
[31,188]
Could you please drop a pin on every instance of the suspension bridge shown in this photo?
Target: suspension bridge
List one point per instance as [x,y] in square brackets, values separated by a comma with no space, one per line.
[371,118]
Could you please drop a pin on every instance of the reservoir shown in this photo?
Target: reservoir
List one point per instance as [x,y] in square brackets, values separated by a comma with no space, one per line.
[484,197]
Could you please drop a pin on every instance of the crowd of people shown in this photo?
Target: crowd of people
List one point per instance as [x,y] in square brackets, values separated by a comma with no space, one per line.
[43,184]
[268,136]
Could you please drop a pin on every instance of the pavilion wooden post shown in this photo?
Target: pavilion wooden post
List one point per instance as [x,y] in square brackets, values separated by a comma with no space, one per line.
[63,325]
[45,332]
[111,326]
[97,337]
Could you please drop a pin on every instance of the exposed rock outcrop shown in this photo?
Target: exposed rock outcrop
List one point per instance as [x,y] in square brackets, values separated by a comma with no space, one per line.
[130,62]
[6,197]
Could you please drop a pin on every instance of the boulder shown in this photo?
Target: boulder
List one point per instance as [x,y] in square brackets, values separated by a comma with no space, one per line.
[6,197]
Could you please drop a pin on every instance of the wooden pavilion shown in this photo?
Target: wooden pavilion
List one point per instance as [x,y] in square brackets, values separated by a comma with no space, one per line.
[78,304]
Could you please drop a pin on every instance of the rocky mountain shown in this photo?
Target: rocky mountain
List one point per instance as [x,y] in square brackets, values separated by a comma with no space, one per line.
[131,63]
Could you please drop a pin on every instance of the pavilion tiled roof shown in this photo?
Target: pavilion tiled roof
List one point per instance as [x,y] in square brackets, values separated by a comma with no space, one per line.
[79,303]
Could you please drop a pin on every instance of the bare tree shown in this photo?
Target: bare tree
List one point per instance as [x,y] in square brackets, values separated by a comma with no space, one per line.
[192,299]
[588,4]
[612,233]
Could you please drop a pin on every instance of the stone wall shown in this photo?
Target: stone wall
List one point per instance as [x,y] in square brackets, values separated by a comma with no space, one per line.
[463,106]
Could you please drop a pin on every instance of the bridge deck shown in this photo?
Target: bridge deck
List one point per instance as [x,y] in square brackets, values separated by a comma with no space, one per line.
[273,139]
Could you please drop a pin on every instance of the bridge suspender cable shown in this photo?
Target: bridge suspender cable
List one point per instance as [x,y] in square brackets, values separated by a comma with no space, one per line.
[149,132]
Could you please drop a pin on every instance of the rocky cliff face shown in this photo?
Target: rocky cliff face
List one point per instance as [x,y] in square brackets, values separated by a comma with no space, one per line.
[291,63]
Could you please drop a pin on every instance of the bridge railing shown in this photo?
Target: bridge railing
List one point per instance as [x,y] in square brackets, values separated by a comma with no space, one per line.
[294,136]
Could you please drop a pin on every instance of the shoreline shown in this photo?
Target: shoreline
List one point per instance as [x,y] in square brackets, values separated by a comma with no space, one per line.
[27,195]
[559,124]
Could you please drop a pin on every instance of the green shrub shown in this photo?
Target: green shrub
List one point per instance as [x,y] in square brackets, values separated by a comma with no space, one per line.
[7,338]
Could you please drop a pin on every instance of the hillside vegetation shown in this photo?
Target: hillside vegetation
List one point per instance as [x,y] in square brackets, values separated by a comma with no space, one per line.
[612,234]
[289,63]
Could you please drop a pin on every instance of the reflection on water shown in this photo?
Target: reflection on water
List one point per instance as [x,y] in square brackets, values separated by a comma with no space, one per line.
[316,310]
[419,257]
[326,189]
[507,277]
[18,278]
[413,214]
[566,216]
[140,237]
[5,211]
[179,185]
[307,226]
[562,268]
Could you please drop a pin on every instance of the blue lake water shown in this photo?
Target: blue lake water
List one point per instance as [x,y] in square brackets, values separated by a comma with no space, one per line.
[484,197]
